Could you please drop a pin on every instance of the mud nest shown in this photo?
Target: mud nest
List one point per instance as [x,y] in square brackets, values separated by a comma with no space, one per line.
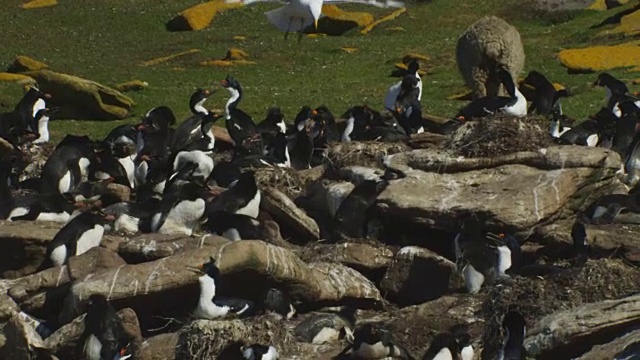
[286,180]
[362,153]
[499,135]
[205,340]
[597,280]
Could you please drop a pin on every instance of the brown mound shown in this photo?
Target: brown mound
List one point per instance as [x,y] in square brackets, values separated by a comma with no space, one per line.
[597,280]
[500,135]
[286,180]
[362,153]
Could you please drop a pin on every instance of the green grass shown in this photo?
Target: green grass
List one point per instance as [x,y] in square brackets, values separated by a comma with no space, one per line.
[107,40]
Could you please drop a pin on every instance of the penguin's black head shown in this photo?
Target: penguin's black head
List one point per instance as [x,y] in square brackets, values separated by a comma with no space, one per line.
[274,115]
[198,97]
[209,268]
[628,107]
[413,66]
[535,79]
[409,82]
[35,91]
[603,79]
[514,321]
[97,302]
[230,82]
[158,118]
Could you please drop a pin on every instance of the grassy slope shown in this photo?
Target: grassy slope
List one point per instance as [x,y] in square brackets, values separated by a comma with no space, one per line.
[107,40]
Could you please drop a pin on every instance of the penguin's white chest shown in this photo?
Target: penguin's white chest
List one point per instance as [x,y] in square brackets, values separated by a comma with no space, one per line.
[92,348]
[473,279]
[444,354]
[89,239]
[253,207]
[183,217]
[130,169]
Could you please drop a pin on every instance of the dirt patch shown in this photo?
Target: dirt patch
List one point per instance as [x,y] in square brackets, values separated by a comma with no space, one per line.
[499,135]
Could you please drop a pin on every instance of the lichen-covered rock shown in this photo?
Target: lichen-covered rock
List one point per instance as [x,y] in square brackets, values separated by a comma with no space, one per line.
[336,21]
[133,85]
[25,63]
[285,211]
[602,5]
[629,26]
[614,348]
[600,58]
[200,16]
[164,59]
[234,56]
[405,280]
[383,19]
[19,78]
[34,4]
[517,191]
[80,98]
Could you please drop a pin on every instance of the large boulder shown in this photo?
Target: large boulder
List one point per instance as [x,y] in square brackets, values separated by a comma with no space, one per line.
[285,211]
[152,288]
[199,16]
[80,98]
[519,191]
[405,281]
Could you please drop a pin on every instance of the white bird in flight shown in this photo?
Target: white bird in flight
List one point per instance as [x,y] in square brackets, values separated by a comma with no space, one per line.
[297,15]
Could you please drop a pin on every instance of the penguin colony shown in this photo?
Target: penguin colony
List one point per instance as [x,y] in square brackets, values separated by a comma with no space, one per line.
[180,189]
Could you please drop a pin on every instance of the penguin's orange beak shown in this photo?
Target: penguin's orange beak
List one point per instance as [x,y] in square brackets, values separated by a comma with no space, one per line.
[314,112]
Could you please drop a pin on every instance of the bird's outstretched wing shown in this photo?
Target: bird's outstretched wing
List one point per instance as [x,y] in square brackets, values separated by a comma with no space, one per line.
[378,3]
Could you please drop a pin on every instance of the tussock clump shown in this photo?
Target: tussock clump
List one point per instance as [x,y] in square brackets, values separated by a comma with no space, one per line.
[362,153]
[597,280]
[499,135]
[205,339]
[284,179]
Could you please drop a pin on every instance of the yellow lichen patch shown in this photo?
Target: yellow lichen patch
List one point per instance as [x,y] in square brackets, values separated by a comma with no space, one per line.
[236,54]
[34,4]
[226,63]
[629,25]
[403,66]
[200,16]
[414,56]
[25,63]
[19,78]
[396,29]
[635,81]
[133,85]
[601,4]
[349,50]
[391,16]
[164,59]
[335,13]
[239,38]
[599,58]
[316,35]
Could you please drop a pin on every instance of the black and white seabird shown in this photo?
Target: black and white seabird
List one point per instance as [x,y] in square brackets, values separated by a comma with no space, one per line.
[181,209]
[278,302]
[240,125]
[371,341]
[7,204]
[211,305]
[241,198]
[260,352]
[394,90]
[41,119]
[352,217]
[273,124]
[616,91]
[77,237]
[67,166]
[407,108]
[234,226]
[515,104]
[326,327]
[444,346]
[514,326]
[546,97]
[196,133]
[104,336]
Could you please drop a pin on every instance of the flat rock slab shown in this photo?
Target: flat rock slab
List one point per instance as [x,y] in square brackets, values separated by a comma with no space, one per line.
[614,348]
[149,247]
[517,190]
[286,212]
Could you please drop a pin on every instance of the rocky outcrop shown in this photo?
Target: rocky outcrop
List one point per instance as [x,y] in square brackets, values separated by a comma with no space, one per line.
[562,334]
[518,191]
[600,58]
[614,348]
[405,281]
[137,284]
[336,21]
[150,247]
[24,246]
[80,98]
[24,63]
[285,211]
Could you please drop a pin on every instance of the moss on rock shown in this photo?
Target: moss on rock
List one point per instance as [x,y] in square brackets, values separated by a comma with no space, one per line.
[133,85]
[25,63]
[19,78]
[629,26]
[385,18]
[336,21]
[233,57]
[34,4]
[200,16]
[602,4]
[600,58]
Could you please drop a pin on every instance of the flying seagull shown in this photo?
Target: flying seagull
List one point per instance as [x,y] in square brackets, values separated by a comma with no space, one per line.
[297,15]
